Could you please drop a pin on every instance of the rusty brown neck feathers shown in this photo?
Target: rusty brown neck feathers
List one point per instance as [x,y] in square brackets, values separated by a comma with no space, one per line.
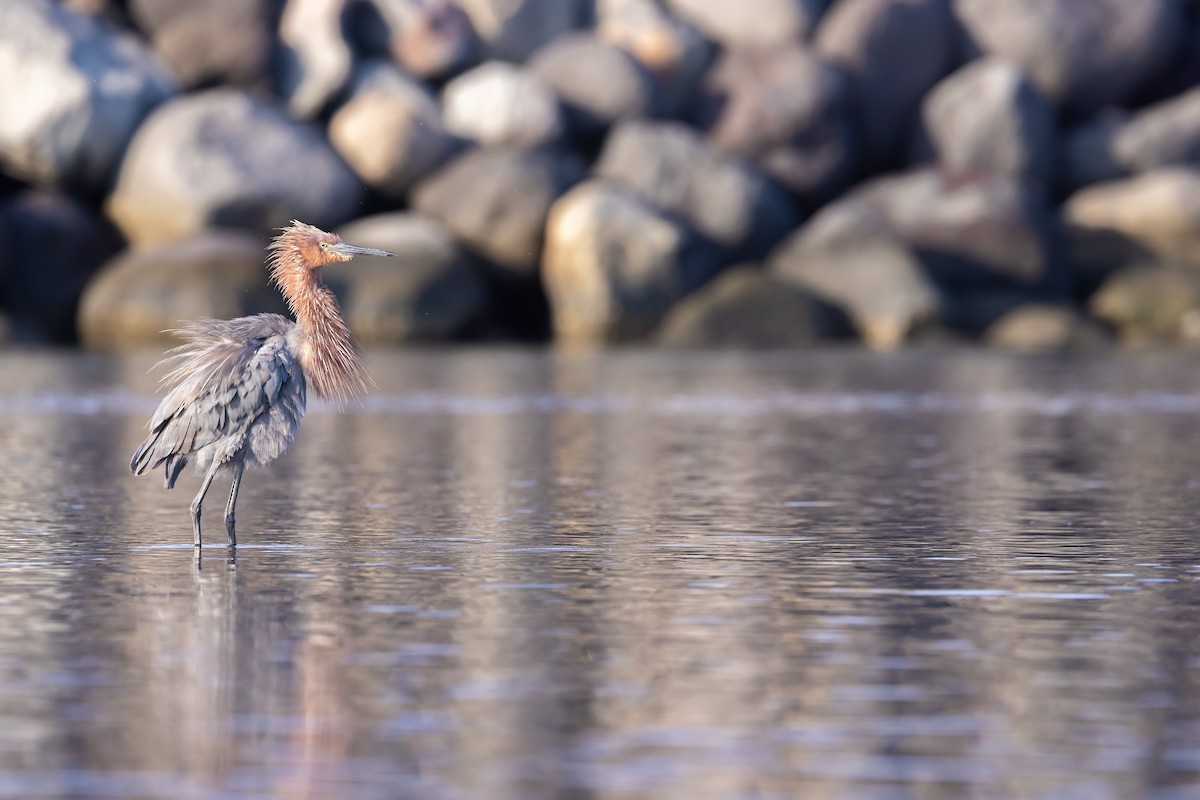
[326,348]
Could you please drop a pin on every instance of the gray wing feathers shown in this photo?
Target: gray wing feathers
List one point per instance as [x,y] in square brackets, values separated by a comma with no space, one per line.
[225,376]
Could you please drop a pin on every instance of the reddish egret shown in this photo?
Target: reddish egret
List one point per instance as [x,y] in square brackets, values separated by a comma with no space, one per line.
[237,387]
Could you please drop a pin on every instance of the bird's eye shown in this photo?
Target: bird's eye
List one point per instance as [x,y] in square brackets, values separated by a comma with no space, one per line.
[324,245]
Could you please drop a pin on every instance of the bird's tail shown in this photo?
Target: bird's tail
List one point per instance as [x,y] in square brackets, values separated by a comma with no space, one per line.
[143,459]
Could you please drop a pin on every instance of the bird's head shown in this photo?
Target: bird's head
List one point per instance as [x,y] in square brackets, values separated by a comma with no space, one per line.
[310,247]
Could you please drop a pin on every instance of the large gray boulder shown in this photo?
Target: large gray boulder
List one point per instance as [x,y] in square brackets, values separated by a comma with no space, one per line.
[513,30]
[390,131]
[752,23]
[1155,215]
[787,112]
[72,93]
[495,202]
[671,166]
[1083,54]
[429,292]
[224,158]
[613,264]
[988,116]
[971,230]
[53,244]
[745,307]
[597,82]
[227,42]
[1119,144]
[141,295]
[879,283]
[894,51]
[502,105]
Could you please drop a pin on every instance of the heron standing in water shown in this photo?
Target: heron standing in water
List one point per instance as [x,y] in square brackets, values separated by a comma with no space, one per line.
[237,388]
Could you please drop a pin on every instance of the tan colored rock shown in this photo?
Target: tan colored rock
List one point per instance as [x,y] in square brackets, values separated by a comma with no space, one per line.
[1156,214]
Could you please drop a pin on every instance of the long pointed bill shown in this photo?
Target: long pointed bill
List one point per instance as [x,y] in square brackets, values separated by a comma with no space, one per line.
[352,250]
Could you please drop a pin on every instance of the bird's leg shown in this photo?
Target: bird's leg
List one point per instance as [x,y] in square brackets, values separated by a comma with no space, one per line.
[208,479]
[233,493]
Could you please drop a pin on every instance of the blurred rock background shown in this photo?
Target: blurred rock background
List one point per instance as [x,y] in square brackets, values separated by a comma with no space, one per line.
[757,173]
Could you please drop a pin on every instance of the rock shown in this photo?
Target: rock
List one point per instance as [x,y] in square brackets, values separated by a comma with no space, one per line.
[315,61]
[390,130]
[753,23]
[223,158]
[879,283]
[73,91]
[1155,215]
[501,105]
[988,116]
[674,53]
[1151,303]
[786,111]
[1082,54]
[429,292]
[747,308]
[598,83]
[496,202]
[52,245]
[613,265]
[971,230]
[225,42]
[428,38]
[670,166]
[894,51]
[1118,144]
[1046,328]
[141,294]
[513,30]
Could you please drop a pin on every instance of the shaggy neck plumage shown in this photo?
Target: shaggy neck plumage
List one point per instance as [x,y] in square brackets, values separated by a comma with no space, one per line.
[327,354]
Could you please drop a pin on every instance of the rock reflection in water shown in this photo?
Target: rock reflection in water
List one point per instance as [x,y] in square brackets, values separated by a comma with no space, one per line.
[630,575]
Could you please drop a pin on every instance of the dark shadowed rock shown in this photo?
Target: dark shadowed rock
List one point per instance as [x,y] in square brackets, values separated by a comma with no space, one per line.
[72,92]
[495,202]
[223,158]
[1119,144]
[429,292]
[988,116]
[745,307]
[1155,215]
[513,30]
[894,51]
[1046,328]
[753,23]
[215,42]
[390,130]
[613,265]
[878,282]
[786,111]
[141,294]
[502,105]
[314,62]
[669,165]
[52,245]
[673,52]
[970,229]
[1151,303]
[1083,54]
[598,83]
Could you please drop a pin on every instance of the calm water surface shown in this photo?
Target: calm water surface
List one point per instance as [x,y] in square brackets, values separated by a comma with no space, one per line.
[518,575]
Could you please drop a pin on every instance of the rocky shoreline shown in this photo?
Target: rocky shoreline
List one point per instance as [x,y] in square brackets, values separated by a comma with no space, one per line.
[760,173]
